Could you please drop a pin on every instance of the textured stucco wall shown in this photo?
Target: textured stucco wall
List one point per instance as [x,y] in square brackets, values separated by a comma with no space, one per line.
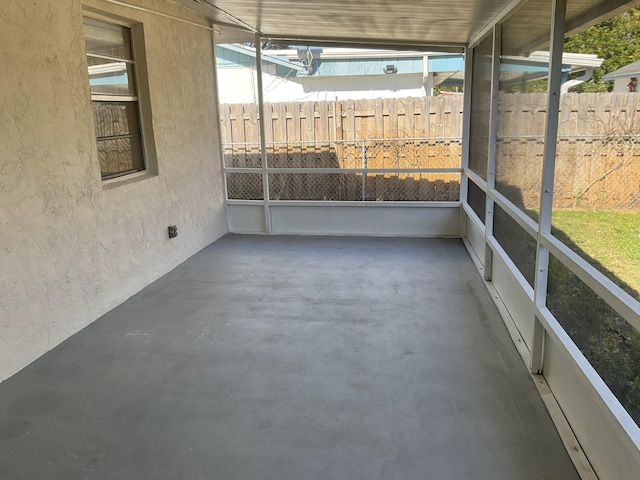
[69,249]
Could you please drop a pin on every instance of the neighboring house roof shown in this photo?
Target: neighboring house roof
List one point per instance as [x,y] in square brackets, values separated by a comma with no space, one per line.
[514,69]
[447,69]
[335,62]
[250,52]
[631,70]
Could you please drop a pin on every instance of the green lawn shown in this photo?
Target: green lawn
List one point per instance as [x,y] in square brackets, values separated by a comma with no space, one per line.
[611,238]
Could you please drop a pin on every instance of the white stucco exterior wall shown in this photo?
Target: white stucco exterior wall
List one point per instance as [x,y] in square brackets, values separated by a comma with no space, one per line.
[621,84]
[238,85]
[69,249]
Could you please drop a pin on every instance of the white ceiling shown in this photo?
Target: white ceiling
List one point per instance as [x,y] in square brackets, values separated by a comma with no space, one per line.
[386,22]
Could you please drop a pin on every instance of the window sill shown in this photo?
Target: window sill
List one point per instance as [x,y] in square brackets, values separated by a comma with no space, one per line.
[127,179]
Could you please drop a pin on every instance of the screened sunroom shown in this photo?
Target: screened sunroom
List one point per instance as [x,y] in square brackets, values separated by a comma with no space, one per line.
[269,239]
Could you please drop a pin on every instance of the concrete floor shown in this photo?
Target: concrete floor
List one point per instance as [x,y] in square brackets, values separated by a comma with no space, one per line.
[289,358]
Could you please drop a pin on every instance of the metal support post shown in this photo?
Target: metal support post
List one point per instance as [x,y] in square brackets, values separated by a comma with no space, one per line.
[466,131]
[548,171]
[263,141]
[491,160]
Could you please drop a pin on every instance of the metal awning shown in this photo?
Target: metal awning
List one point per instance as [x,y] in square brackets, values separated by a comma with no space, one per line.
[453,23]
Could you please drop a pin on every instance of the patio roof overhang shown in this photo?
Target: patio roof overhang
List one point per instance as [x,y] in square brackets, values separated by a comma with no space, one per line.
[432,23]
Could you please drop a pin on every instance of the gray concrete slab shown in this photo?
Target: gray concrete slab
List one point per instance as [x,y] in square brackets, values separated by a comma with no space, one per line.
[288,358]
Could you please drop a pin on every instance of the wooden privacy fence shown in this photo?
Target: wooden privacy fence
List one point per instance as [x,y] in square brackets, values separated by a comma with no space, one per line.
[295,122]
[597,156]
[399,134]
[597,164]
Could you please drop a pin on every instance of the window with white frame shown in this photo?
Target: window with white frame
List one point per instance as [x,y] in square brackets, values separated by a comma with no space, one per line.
[111,61]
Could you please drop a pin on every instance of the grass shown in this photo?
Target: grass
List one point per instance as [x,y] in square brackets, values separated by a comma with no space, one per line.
[610,238]
[610,241]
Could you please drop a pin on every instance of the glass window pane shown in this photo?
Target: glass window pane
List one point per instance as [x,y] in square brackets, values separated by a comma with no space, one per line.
[119,156]
[519,245]
[476,199]
[480,107]
[116,118]
[610,344]
[110,77]
[524,64]
[102,38]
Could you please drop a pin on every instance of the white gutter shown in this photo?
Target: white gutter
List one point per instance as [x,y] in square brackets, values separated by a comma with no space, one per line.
[585,77]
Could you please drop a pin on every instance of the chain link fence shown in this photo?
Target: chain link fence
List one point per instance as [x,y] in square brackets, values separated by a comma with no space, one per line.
[519,169]
[363,170]
[244,186]
[422,187]
[242,155]
[599,172]
[592,171]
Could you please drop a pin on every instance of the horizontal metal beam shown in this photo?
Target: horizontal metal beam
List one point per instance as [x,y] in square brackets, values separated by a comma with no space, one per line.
[477,179]
[356,42]
[340,203]
[342,170]
[357,141]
